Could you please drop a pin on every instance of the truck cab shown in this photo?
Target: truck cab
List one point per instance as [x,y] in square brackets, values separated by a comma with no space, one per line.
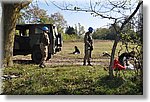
[27,40]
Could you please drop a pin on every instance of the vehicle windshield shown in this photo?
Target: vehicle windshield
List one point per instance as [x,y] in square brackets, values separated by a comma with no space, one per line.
[38,30]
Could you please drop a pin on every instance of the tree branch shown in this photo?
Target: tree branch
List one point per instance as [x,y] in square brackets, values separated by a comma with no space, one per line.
[130,17]
[84,10]
[24,4]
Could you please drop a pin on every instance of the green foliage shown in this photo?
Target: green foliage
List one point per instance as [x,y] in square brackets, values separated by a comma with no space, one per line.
[68,80]
[72,37]
[33,14]
[131,36]
[70,31]
[105,33]
[36,15]
[100,33]
[127,34]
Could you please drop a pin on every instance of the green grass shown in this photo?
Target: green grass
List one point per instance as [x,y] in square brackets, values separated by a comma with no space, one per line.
[100,46]
[71,79]
[68,80]
[71,37]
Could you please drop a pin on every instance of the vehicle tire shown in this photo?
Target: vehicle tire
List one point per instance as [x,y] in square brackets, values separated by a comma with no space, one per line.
[36,54]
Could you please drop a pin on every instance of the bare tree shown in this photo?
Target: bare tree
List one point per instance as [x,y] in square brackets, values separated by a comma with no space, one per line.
[120,12]
[10,12]
[59,21]
[33,14]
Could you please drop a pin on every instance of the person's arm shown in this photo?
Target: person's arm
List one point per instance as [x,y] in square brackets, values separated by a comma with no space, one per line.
[47,41]
[86,41]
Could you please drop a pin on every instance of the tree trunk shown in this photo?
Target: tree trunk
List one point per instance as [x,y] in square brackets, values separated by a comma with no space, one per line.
[9,16]
[112,57]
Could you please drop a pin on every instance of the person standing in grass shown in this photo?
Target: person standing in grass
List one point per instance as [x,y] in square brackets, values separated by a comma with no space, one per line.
[88,46]
[44,42]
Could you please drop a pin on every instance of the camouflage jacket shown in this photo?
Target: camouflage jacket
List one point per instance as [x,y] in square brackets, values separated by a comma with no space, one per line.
[88,40]
[44,39]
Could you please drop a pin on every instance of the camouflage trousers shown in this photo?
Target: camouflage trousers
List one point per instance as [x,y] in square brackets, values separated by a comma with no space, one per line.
[44,52]
[87,55]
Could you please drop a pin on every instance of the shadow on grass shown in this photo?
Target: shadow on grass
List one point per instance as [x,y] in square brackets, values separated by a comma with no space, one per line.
[62,66]
[103,86]
[23,61]
[110,83]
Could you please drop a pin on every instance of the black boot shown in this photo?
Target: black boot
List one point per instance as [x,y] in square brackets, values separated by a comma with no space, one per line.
[89,64]
[42,65]
[84,63]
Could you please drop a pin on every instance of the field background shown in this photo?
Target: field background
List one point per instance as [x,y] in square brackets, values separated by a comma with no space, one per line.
[65,57]
[65,75]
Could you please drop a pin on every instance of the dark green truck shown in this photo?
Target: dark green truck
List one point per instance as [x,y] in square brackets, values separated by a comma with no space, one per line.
[27,40]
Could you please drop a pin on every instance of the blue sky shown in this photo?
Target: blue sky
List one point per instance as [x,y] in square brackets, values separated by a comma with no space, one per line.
[72,18]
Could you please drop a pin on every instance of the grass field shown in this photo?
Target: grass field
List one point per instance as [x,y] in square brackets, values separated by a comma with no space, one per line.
[64,76]
[99,47]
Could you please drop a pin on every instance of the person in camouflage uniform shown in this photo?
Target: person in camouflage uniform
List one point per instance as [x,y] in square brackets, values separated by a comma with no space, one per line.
[44,42]
[88,47]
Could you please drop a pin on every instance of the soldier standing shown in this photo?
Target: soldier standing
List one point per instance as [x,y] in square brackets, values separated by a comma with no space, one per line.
[44,42]
[88,47]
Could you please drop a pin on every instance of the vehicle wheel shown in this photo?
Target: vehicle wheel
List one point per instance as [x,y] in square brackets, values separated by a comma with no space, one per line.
[36,55]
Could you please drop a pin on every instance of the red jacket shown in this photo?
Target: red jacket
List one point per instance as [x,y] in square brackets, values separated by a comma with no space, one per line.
[118,65]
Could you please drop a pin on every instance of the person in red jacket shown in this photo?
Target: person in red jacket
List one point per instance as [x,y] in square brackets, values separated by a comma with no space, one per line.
[117,65]
[122,62]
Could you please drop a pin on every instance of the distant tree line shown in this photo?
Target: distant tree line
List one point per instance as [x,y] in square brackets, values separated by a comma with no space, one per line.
[109,33]
[70,30]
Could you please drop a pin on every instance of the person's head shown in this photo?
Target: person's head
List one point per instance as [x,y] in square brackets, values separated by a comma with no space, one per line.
[45,29]
[90,29]
[75,47]
[132,53]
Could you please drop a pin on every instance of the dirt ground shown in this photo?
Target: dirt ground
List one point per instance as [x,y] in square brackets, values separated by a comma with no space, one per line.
[66,58]
[59,60]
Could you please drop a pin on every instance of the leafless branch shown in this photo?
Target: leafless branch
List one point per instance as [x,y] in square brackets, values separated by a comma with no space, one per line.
[116,7]
[85,10]
[46,3]
[130,17]
[119,4]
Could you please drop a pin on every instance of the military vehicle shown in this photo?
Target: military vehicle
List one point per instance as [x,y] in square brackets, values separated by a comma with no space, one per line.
[27,40]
